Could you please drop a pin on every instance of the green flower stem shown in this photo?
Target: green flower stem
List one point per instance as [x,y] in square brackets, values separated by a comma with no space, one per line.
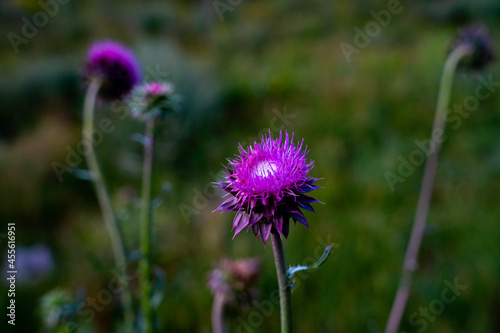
[146,218]
[283,283]
[417,233]
[104,199]
[218,313]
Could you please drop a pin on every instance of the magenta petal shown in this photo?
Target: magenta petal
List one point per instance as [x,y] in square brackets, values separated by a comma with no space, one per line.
[309,188]
[253,203]
[306,206]
[265,230]
[300,218]
[278,224]
[307,199]
[256,217]
[294,210]
[242,224]
[256,230]
[227,205]
[237,219]
[286,227]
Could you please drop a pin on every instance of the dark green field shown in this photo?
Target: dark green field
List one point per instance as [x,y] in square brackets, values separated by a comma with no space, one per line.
[267,64]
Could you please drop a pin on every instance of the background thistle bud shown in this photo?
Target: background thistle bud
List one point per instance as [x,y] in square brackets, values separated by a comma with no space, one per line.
[153,100]
[477,37]
[235,280]
[115,65]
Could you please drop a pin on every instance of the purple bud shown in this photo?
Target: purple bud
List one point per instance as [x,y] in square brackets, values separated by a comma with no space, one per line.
[477,37]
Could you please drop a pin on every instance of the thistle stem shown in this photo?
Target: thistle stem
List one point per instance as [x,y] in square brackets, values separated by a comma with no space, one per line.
[146,218]
[417,232]
[283,283]
[218,313]
[104,199]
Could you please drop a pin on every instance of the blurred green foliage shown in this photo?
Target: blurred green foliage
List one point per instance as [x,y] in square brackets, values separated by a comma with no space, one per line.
[235,75]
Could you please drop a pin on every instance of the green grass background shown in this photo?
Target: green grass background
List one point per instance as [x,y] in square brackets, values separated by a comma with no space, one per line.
[234,74]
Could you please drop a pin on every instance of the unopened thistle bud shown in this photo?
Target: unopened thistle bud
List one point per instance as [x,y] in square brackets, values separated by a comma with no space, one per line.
[478,39]
[153,100]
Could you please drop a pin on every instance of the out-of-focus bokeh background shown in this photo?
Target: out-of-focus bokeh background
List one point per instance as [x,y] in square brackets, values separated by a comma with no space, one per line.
[243,67]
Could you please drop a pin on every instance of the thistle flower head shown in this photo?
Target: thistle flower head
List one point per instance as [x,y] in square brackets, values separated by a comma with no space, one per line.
[235,280]
[477,37]
[153,100]
[268,183]
[115,65]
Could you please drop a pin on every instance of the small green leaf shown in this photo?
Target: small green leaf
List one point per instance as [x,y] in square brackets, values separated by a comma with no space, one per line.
[314,266]
[139,138]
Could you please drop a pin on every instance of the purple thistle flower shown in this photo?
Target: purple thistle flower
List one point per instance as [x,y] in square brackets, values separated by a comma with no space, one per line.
[115,65]
[477,37]
[268,183]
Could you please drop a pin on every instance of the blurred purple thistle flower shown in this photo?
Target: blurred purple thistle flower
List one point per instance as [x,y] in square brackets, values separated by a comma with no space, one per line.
[235,280]
[115,65]
[267,183]
[478,38]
